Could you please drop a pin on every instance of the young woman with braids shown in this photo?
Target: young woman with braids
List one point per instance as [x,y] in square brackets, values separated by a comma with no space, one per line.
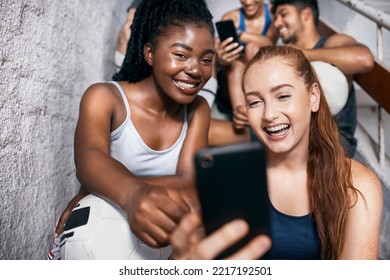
[324,205]
[136,137]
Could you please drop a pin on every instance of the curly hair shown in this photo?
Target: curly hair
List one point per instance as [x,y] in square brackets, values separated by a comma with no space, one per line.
[152,19]
[328,168]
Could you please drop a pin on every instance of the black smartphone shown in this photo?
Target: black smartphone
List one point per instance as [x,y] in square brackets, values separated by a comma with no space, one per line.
[226,29]
[232,184]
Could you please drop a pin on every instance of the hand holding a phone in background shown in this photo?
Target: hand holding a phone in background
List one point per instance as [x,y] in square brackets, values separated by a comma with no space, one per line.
[227,45]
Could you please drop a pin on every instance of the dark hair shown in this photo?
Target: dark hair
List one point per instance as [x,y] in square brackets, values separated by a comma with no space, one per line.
[152,19]
[300,5]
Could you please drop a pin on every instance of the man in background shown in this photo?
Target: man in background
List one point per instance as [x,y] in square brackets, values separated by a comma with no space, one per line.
[297,24]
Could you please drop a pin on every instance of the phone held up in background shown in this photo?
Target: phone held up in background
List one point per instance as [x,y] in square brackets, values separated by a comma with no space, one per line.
[232,184]
[226,29]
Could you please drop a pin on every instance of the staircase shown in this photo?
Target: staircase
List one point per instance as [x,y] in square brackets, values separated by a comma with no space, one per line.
[343,16]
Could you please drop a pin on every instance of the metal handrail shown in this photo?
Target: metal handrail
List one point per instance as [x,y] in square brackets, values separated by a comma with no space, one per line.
[382,20]
[375,15]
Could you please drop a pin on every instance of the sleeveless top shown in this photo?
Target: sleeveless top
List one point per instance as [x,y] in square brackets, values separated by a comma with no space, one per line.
[294,238]
[267,15]
[128,147]
[321,42]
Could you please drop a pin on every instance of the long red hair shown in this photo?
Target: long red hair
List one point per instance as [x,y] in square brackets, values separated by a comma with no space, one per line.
[328,167]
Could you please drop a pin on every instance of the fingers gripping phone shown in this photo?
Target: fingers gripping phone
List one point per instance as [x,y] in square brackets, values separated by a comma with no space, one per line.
[226,29]
[232,184]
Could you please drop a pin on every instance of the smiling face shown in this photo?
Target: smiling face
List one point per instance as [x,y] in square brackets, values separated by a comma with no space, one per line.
[182,61]
[252,7]
[279,105]
[288,23]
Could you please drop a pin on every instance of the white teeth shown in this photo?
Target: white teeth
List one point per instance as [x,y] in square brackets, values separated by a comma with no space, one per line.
[282,30]
[184,85]
[277,128]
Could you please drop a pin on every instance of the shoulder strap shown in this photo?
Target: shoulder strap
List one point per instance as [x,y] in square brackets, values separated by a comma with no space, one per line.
[321,42]
[242,20]
[185,114]
[268,19]
[123,96]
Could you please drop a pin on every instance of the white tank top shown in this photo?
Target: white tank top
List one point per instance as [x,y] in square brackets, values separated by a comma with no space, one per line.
[128,147]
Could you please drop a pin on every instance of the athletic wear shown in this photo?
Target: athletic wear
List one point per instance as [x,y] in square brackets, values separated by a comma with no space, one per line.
[267,15]
[294,238]
[128,147]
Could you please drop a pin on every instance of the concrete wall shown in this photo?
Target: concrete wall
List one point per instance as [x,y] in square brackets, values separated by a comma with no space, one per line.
[50,52]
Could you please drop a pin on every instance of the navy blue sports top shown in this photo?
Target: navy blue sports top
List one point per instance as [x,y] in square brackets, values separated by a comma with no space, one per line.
[294,238]
[321,42]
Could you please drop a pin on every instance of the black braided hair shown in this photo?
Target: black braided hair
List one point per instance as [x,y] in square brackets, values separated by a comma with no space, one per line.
[152,19]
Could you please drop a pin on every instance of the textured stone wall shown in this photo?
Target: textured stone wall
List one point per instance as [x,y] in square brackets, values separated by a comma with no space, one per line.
[50,52]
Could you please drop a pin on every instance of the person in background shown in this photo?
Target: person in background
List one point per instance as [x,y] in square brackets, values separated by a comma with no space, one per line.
[136,136]
[324,205]
[253,22]
[124,35]
[297,24]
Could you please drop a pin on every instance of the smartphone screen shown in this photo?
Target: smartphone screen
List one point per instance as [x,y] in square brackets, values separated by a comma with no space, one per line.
[226,29]
[232,184]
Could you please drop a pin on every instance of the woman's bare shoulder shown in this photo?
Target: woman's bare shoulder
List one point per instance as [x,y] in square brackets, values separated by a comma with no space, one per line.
[198,108]
[101,92]
[365,180]
[104,89]
[101,97]
[364,216]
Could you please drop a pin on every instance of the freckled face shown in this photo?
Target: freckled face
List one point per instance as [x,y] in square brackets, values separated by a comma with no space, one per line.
[278,104]
[182,61]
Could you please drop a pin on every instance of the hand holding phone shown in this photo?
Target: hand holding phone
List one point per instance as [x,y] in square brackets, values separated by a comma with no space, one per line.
[226,30]
[232,184]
